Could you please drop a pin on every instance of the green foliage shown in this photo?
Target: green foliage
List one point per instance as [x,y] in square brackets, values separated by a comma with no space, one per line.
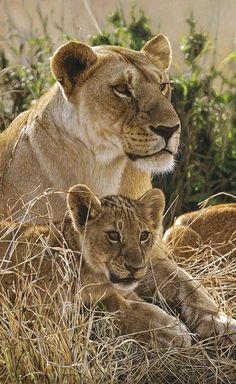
[204,99]
[194,44]
[133,34]
[21,85]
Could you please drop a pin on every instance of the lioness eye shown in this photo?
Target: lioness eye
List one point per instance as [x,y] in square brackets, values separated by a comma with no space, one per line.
[163,87]
[121,90]
[144,236]
[113,236]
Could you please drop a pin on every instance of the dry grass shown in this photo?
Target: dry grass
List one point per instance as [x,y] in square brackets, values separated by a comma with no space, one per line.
[64,342]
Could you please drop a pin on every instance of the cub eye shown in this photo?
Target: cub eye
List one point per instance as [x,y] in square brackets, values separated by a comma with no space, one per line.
[144,236]
[121,90]
[113,236]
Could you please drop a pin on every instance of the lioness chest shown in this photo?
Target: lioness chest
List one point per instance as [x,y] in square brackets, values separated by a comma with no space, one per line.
[54,169]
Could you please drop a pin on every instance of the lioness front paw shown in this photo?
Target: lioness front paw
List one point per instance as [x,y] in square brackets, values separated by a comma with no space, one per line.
[220,325]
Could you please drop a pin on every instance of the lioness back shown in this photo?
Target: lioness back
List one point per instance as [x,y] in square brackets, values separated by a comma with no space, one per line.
[214,226]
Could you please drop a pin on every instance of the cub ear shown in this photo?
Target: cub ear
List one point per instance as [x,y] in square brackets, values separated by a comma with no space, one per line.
[158,51]
[69,62]
[152,205]
[83,205]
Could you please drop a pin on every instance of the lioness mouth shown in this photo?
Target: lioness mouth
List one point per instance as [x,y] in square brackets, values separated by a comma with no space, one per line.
[134,157]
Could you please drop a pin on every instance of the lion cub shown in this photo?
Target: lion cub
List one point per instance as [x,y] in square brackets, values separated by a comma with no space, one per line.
[111,240]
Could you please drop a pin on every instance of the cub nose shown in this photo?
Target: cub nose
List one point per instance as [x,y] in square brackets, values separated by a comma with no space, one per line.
[164,131]
[131,268]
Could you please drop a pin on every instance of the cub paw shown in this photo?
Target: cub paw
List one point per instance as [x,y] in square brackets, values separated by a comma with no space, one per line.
[183,337]
[220,325]
[174,335]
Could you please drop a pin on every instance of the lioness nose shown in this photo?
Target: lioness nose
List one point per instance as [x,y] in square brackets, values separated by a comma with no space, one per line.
[165,132]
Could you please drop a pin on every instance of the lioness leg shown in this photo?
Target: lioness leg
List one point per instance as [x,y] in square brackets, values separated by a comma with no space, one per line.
[197,309]
[147,321]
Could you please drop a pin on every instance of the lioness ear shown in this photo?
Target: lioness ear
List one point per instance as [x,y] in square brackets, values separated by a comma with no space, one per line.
[158,51]
[69,62]
[152,206]
[83,205]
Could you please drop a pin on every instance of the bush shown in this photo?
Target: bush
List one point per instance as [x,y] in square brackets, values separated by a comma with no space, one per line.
[204,100]
[133,34]
[23,84]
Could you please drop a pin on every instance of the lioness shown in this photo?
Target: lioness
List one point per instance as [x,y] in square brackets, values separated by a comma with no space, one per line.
[112,238]
[108,122]
[212,226]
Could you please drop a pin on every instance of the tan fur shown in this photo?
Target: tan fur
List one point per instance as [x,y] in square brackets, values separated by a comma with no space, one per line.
[107,123]
[213,226]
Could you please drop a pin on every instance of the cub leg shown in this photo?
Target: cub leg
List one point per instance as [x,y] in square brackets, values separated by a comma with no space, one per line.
[147,321]
[198,310]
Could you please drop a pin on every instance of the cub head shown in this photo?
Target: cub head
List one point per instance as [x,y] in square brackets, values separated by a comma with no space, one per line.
[116,234]
[121,99]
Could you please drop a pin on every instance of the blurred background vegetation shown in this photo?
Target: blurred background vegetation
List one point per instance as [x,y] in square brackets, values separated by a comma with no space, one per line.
[205,101]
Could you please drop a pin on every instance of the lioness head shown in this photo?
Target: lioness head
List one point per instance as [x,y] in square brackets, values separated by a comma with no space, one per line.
[116,234]
[122,101]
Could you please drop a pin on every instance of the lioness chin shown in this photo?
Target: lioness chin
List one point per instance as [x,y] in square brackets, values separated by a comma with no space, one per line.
[112,239]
